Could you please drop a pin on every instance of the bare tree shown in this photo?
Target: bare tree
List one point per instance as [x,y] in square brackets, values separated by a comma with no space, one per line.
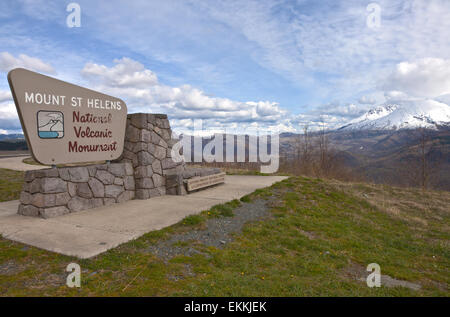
[323,155]
[419,167]
[300,163]
[424,149]
[306,151]
[429,162]
[314,155]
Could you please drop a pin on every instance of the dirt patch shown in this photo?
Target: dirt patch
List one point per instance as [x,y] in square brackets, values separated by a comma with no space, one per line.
[217,234]
[187,272]
[47,280]
[309,235]
[9,268]
[358,272]
[275,203]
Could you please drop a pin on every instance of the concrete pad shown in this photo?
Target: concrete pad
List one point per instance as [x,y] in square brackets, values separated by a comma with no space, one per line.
[15,163]
[88,233]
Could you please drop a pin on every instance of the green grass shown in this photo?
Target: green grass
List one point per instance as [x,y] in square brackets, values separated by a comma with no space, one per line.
[318,231]
[193,220]
[31,161]
[10,184]
[224,210]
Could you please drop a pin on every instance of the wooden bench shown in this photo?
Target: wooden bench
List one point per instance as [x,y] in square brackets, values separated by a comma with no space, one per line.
[198,182]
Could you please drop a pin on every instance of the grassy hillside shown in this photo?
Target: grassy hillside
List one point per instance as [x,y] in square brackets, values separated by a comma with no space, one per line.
[305,237]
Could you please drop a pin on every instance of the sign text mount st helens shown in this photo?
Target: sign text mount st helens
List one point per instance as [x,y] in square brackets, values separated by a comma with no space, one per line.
[65,123]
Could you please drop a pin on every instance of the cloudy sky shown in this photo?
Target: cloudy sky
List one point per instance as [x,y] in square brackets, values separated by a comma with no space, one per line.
[277,65]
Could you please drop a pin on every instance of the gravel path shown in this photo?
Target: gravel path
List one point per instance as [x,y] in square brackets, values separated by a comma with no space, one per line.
[218,231]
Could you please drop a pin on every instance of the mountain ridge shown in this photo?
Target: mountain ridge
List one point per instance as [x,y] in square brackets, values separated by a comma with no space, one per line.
[410,114]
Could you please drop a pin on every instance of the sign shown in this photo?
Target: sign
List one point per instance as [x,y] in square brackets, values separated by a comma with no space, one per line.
[65,123]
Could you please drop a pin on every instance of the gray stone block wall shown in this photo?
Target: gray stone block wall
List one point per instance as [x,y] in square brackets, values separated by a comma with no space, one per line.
[148,145]
[53,192]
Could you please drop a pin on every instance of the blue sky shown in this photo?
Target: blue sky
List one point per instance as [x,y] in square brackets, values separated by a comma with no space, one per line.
[235,64]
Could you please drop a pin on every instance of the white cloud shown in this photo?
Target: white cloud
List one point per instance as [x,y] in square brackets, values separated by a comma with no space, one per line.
[130,80]
[5,95]
[316,121]
[326,47]
[44,9]
[394,96]
[125,73]
[299,40]
[9,119]
[8,62]
[335,112]
[444,99]
[366,100]
[427,77]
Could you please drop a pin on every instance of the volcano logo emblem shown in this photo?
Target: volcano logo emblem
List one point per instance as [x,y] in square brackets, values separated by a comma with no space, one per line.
[50,124]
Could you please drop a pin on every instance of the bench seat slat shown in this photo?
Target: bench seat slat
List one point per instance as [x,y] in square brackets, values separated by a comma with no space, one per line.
[204,181]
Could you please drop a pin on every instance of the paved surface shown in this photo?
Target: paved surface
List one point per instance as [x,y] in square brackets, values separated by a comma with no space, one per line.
[15,163]
[87,233]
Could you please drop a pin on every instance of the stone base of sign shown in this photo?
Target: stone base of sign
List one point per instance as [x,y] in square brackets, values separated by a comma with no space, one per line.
[148,146]
[53,192]
[144,170]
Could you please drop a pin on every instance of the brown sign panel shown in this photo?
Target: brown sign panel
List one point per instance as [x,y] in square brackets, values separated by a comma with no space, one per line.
[65,123]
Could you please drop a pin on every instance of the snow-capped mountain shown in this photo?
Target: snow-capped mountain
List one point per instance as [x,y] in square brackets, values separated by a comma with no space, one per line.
[410,114]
